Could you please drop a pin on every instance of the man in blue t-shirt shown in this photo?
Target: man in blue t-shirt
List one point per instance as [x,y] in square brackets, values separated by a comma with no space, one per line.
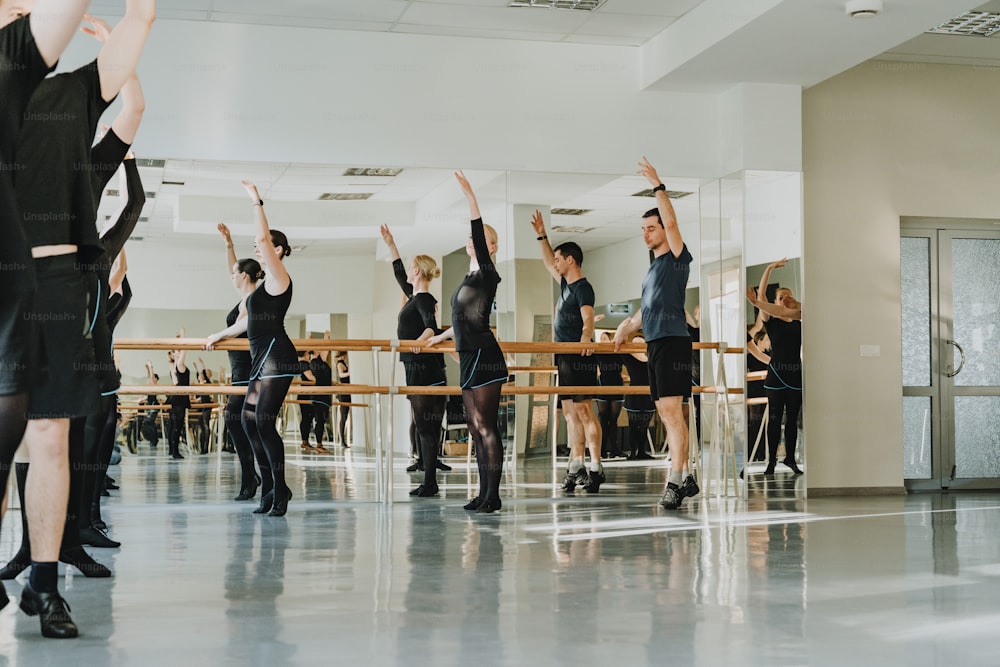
[574,323]
[668,344]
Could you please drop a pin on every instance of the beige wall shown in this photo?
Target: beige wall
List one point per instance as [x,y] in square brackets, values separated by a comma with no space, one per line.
[880,141]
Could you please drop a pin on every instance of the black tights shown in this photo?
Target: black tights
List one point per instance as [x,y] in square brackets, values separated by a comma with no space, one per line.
[97,448]
[260,416]
[177,413]
[426,413]
[13,411]
[787,402]
[244,451]
[482,406]
[638,429]
[607,412]
[307,425]
[345,410]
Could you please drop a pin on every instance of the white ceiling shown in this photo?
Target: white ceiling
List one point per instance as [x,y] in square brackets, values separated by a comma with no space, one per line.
[619,22]
[783,41]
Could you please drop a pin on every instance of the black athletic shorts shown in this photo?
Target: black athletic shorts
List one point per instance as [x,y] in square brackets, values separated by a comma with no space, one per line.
[669,366]
[18,348]
[482,367]
[639,403]
[60,317]
[426,372]
[576,371]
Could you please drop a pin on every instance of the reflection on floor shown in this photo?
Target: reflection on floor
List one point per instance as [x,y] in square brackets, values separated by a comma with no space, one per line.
[609,579]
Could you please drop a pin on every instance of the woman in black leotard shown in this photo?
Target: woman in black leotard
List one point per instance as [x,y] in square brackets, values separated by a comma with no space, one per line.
[418,322]
[484,369]
[783,321]
[244,274]
[274,361]
[343,377]
[179,403]
[638,407]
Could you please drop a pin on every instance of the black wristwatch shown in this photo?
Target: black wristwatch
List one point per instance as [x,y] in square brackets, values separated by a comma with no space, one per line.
[541,238]
[660,188]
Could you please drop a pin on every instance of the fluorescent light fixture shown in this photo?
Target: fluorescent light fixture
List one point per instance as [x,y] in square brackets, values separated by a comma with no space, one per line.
[372,171]
[571,230]
[673,194]
[970,24]
[583,5]
[570,211]
[345,196]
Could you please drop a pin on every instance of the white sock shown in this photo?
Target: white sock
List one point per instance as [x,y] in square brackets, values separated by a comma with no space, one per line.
[675,478]
[595,466]
[575,464]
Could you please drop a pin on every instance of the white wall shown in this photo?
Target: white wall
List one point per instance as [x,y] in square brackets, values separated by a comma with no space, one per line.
[881,141]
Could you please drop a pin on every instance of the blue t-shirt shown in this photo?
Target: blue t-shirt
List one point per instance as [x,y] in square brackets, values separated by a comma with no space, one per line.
[663,296]
[572,297]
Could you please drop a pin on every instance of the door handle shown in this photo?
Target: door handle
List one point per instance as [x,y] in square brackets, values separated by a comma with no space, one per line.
[961,363]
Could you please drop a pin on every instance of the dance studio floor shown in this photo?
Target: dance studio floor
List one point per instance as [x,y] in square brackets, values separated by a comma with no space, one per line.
[592,580]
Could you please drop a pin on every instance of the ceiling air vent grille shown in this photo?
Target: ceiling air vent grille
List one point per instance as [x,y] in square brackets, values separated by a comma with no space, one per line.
[582,5]
[345,196]
[372,171]
[150,162]
[673,194]
[970,24]
[570,211]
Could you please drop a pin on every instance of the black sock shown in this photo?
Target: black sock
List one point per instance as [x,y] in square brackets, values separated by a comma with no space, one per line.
[44,577]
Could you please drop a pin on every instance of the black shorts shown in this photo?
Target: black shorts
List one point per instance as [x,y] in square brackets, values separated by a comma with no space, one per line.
[576,371]
[60,316]
[669,366]
[482,367]
[18,348]
[427,372]
[639,403]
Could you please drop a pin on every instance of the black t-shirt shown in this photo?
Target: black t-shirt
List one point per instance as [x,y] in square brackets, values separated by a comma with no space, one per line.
[55,187]
[22,69]
[118,304]
[568,325]
[473,300]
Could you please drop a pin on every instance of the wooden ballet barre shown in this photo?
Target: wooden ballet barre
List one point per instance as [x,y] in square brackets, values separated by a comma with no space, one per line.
[638,390]
[760,400]
[173,390]
[297,401]
[532,369]
[754,376]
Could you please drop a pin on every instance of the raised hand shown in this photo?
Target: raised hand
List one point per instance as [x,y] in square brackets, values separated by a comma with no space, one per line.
[780,263]
[251,190]
[537,223]
[647,170]
[100,29]
[463,183]
[387,235]
[224,233]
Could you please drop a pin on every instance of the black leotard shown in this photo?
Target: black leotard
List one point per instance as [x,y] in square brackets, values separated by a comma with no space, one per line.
[183,380]
[414,318]
[785,370]
[473,300]
[270,347]
[239,360]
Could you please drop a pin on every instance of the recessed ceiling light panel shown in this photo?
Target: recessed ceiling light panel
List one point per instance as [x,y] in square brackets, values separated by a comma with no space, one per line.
[570,211]
[571,230]
[582,5]
[970,24]
[372,171]
[345,196]
[673,194]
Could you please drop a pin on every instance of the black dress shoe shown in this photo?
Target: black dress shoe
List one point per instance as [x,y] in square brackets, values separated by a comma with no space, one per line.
[266,501]
[52,610]
[474,504]
[82,561]
[488,506]
[418,466]
[15,566]
[791,464]
[281,504]
[176,457]
[96,538]
[248,492]
[110,484]
[425,491]
[443,466]
[100,525]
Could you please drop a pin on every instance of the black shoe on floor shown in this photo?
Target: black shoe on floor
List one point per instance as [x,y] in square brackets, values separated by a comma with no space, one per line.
[81,560]
[489,506]
[96,538]
[690,487]
[280,506]
[575,479]
[176,457]
[474,504]
[415,467]
[594,481]
[52,610]
[248,492]
[110,484]
[425,491]
[672,497]
[266,501]
[790,463]
[444,467]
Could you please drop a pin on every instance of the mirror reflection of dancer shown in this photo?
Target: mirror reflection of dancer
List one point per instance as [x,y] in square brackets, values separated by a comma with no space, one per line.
[574,323]
[30,46]
[609,406]
[668,342]
[783,321]
[484,369]
[417,321]
[180,375]
[343,377]
[274,361]
[244,274]
[639,407]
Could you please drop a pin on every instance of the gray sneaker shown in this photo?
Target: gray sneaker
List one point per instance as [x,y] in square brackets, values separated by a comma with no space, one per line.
[672,496]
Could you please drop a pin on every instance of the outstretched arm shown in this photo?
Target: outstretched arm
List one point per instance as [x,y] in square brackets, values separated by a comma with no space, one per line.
[227,238]
[126,123]
[118,271]
[769,309]
[277,280]
[133,199]
[548,256]
[53,24]
[120,54]
[397,262]
[665,208]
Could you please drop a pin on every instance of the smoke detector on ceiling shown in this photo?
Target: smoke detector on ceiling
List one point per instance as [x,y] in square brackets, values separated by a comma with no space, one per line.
[863,9]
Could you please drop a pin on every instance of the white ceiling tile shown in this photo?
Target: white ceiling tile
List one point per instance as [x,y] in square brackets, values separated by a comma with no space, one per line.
[484,33]
[301,22]
[649,7]
[624,25]
[605,40]
[341,10]
[494,18]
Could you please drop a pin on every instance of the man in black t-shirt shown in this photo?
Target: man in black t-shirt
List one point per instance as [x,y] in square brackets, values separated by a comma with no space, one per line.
[29,47]
[574,323]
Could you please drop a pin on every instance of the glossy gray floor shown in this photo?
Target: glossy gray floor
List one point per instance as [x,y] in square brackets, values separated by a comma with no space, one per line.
[597,580]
